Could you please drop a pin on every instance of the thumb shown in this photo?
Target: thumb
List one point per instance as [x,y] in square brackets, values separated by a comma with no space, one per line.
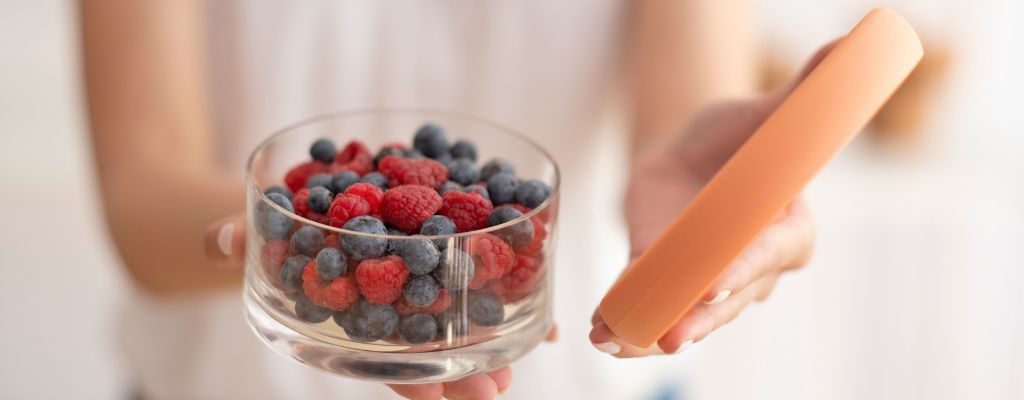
[225,241]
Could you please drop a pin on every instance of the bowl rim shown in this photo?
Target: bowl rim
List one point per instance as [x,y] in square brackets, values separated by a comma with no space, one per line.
[262,196]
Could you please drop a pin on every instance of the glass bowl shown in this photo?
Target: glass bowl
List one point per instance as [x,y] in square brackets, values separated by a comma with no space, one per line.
[494,302]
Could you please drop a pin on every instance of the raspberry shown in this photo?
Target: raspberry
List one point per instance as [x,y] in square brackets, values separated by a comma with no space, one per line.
[332,239]
[492,257]
[406,207]
[368,192]
[296,177]
[300,202]
[444,299]
[318,217]
[355,157]
[468,211]
[520,281]
[381,279]
[346,207]
[338,294]
[352,150]
[271,257]
[404,171]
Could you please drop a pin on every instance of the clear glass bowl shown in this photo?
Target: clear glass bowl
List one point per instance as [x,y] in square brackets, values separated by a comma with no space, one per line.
[482,328]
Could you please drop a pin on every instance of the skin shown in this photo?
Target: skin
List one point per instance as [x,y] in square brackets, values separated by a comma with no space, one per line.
[146,92]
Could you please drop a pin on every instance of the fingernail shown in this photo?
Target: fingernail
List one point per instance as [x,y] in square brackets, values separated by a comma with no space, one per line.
[609,347]
[683,347]
[720,297]
[224,238]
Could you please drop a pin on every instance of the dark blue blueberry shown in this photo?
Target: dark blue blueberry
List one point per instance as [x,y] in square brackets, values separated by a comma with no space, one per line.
[421,291]
[453,323]
[319,199]
[418,328]
[438,225]
[444,159]
[494,167]
[342,180]
[307,241]
[330,263]
[431,140]
[387,151]
[463,171]
[449,186]
[502,187]
[319,180]
[485,309]
[419,256]
[309,312]
[532,193]
[377,179]
[271,223]
[455,270]
[291,271]
[414,154]
[393,243]
[363,247]
[479,189]
[323,150]
[464,149]
[279,189]
[368,322]
[519,234]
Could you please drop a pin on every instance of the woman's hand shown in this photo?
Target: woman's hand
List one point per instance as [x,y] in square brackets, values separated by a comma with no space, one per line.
[225,244]
[661,185]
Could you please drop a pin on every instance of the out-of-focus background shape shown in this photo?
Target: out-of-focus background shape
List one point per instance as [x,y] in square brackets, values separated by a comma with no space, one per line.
[917,289]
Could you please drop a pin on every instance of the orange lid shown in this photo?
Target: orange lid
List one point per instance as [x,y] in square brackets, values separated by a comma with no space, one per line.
[822,114]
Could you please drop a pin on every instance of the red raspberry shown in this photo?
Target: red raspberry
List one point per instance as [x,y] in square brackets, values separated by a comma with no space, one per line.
[444,299]
[519,282]
[351,151]
[300,202]
[544,215]
[355,157]
[422,171]
[296,177]
[272,256]
[492,257]
[369,192]
[338,294]
[332,240]
[406,207]
[346,207]
[381,279]
[468,211]
[318,217]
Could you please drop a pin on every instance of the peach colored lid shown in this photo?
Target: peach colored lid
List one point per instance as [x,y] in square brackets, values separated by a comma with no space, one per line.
[822,114]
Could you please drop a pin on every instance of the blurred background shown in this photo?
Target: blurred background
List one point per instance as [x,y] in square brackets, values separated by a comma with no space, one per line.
[916,289]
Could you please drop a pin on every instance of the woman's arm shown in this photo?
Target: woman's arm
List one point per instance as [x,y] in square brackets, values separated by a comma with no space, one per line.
[685,55]
[144,77]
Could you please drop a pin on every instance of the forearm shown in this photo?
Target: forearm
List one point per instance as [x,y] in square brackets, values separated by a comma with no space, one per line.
[686,54]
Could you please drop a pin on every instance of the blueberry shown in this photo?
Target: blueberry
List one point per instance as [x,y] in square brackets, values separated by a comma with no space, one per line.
[319,180]
[455,269]
[367,322]
[377,179]
[464,149]
[319,199]
[414,154]
[485,309]
[478,189]
[418,328]
[363,247]
[323,150]
[271,223]
[450,319]
[519,234]
[291,271]
[279,189]
[463,171]
[494,167]
[307,241]
[502,187]
[387,151]
[444,159]
[449,186]
[431,140]
[419,256]
[421,291]
[342,180]
[309,312]
[330,263]
[438,225]
[532,193]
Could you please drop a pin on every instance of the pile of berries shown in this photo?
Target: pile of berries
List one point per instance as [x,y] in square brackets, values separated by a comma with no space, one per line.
[400,289]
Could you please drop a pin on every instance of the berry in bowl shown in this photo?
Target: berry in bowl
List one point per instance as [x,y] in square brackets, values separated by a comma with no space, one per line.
[402,261]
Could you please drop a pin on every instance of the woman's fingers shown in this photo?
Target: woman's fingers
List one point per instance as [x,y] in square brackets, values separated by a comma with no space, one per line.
[474,387]
[502,378]
[225,241]
[604,340]
[426,391]
[785,244]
